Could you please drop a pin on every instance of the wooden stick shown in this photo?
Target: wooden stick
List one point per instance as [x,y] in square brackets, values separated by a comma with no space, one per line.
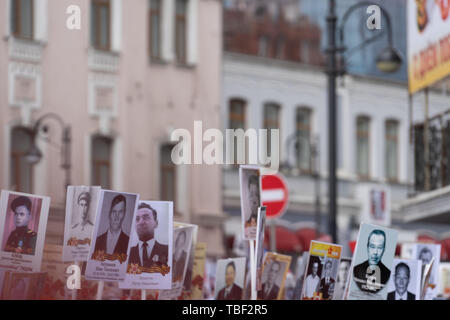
[252,269]
[101,284]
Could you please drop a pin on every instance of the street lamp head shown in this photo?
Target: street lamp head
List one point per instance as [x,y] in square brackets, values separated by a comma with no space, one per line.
[34,155]
[389,60]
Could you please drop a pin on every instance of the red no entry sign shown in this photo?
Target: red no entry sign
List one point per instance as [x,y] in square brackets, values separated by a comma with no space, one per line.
[274,195]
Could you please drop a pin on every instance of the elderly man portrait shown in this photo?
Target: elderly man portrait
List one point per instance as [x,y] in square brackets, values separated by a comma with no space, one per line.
[21,239]
[401,281]
[148,252]
[372,275]
[231,291]
[269,290]
[114,241]
[312,281]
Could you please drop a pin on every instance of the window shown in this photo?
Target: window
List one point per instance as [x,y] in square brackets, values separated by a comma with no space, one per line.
[168,175]
[237,121]
[391,160]
[271,121]
[303,143]
[263,46]
[101,24]
[101,162]
[155,28]
[362,146]
[180,30]
[22,12]
[21,172]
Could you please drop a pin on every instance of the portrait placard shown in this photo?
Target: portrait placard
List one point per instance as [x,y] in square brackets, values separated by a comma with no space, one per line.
[81,207]
[425,252]
[321,271]
[230,276]
[198,272]
[342,278]
[150,247]
[182,240]
[108,254]
[274,272]
[259,252]
[250,189]
[405,280]
[372,263]
[444,279]
[23,221]
[23,285]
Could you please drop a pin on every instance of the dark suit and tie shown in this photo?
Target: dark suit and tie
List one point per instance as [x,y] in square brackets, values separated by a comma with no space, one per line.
[268,293]
[158,256]
[235,293]
[409,296]
[121,245]
[327,288]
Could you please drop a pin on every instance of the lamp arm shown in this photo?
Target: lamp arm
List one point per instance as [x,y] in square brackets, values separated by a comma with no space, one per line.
[360,5]
[48,116]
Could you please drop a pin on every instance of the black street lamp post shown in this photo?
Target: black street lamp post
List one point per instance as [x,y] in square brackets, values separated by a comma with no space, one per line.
[387,61]
[34,155]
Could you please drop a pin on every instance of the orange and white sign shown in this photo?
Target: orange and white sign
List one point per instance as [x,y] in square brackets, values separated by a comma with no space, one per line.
[428,42]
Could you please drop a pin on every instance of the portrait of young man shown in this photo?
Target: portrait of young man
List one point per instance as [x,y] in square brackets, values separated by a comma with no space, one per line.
[84,227]
[22,239]
[402,276]
[312,280]
[373,268]
[341,282]
[270,288]
[114,241]
[148,252]
[250,191]
[231,291]
[327,284]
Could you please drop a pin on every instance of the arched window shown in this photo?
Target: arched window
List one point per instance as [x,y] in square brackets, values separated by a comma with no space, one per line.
[271,121]
[21,172]
[363,147]
[391,153]
[303,142]
[101,161]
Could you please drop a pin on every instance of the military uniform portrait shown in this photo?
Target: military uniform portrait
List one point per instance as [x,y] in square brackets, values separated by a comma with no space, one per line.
[21,227]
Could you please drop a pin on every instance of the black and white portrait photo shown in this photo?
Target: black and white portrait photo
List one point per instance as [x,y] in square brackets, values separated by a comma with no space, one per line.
[374,256]
[250,187]
[311,284]
[81,208]
[261,226]
[328,281]
[150,252]
[111,235]
[23,223]
[273,276]
[230,279]
[342,277]
[425,252]
[404,283]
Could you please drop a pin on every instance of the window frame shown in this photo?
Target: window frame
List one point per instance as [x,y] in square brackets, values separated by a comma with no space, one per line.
[96,164]
[14,157]
[181,18]
[308,129]
[396,139]
[15,25]
[96,7]
[366,135]
[151,13]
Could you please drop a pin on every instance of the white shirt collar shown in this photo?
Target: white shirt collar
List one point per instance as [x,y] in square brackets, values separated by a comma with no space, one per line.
[404,296]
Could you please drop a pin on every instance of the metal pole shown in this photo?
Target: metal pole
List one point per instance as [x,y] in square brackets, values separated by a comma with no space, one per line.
[273,235]
[332,74]
[426,144]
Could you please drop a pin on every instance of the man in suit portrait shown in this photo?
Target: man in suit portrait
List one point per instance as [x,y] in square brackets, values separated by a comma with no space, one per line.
[269,290]
[401,281]
[327,283]
[114,241]
[148,252]
[21,239]
[179,256]
[231,291]
[372,275]
[253,198]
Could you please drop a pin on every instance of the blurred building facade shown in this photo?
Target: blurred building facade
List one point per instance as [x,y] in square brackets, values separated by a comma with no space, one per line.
[375,149]
[135,71]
